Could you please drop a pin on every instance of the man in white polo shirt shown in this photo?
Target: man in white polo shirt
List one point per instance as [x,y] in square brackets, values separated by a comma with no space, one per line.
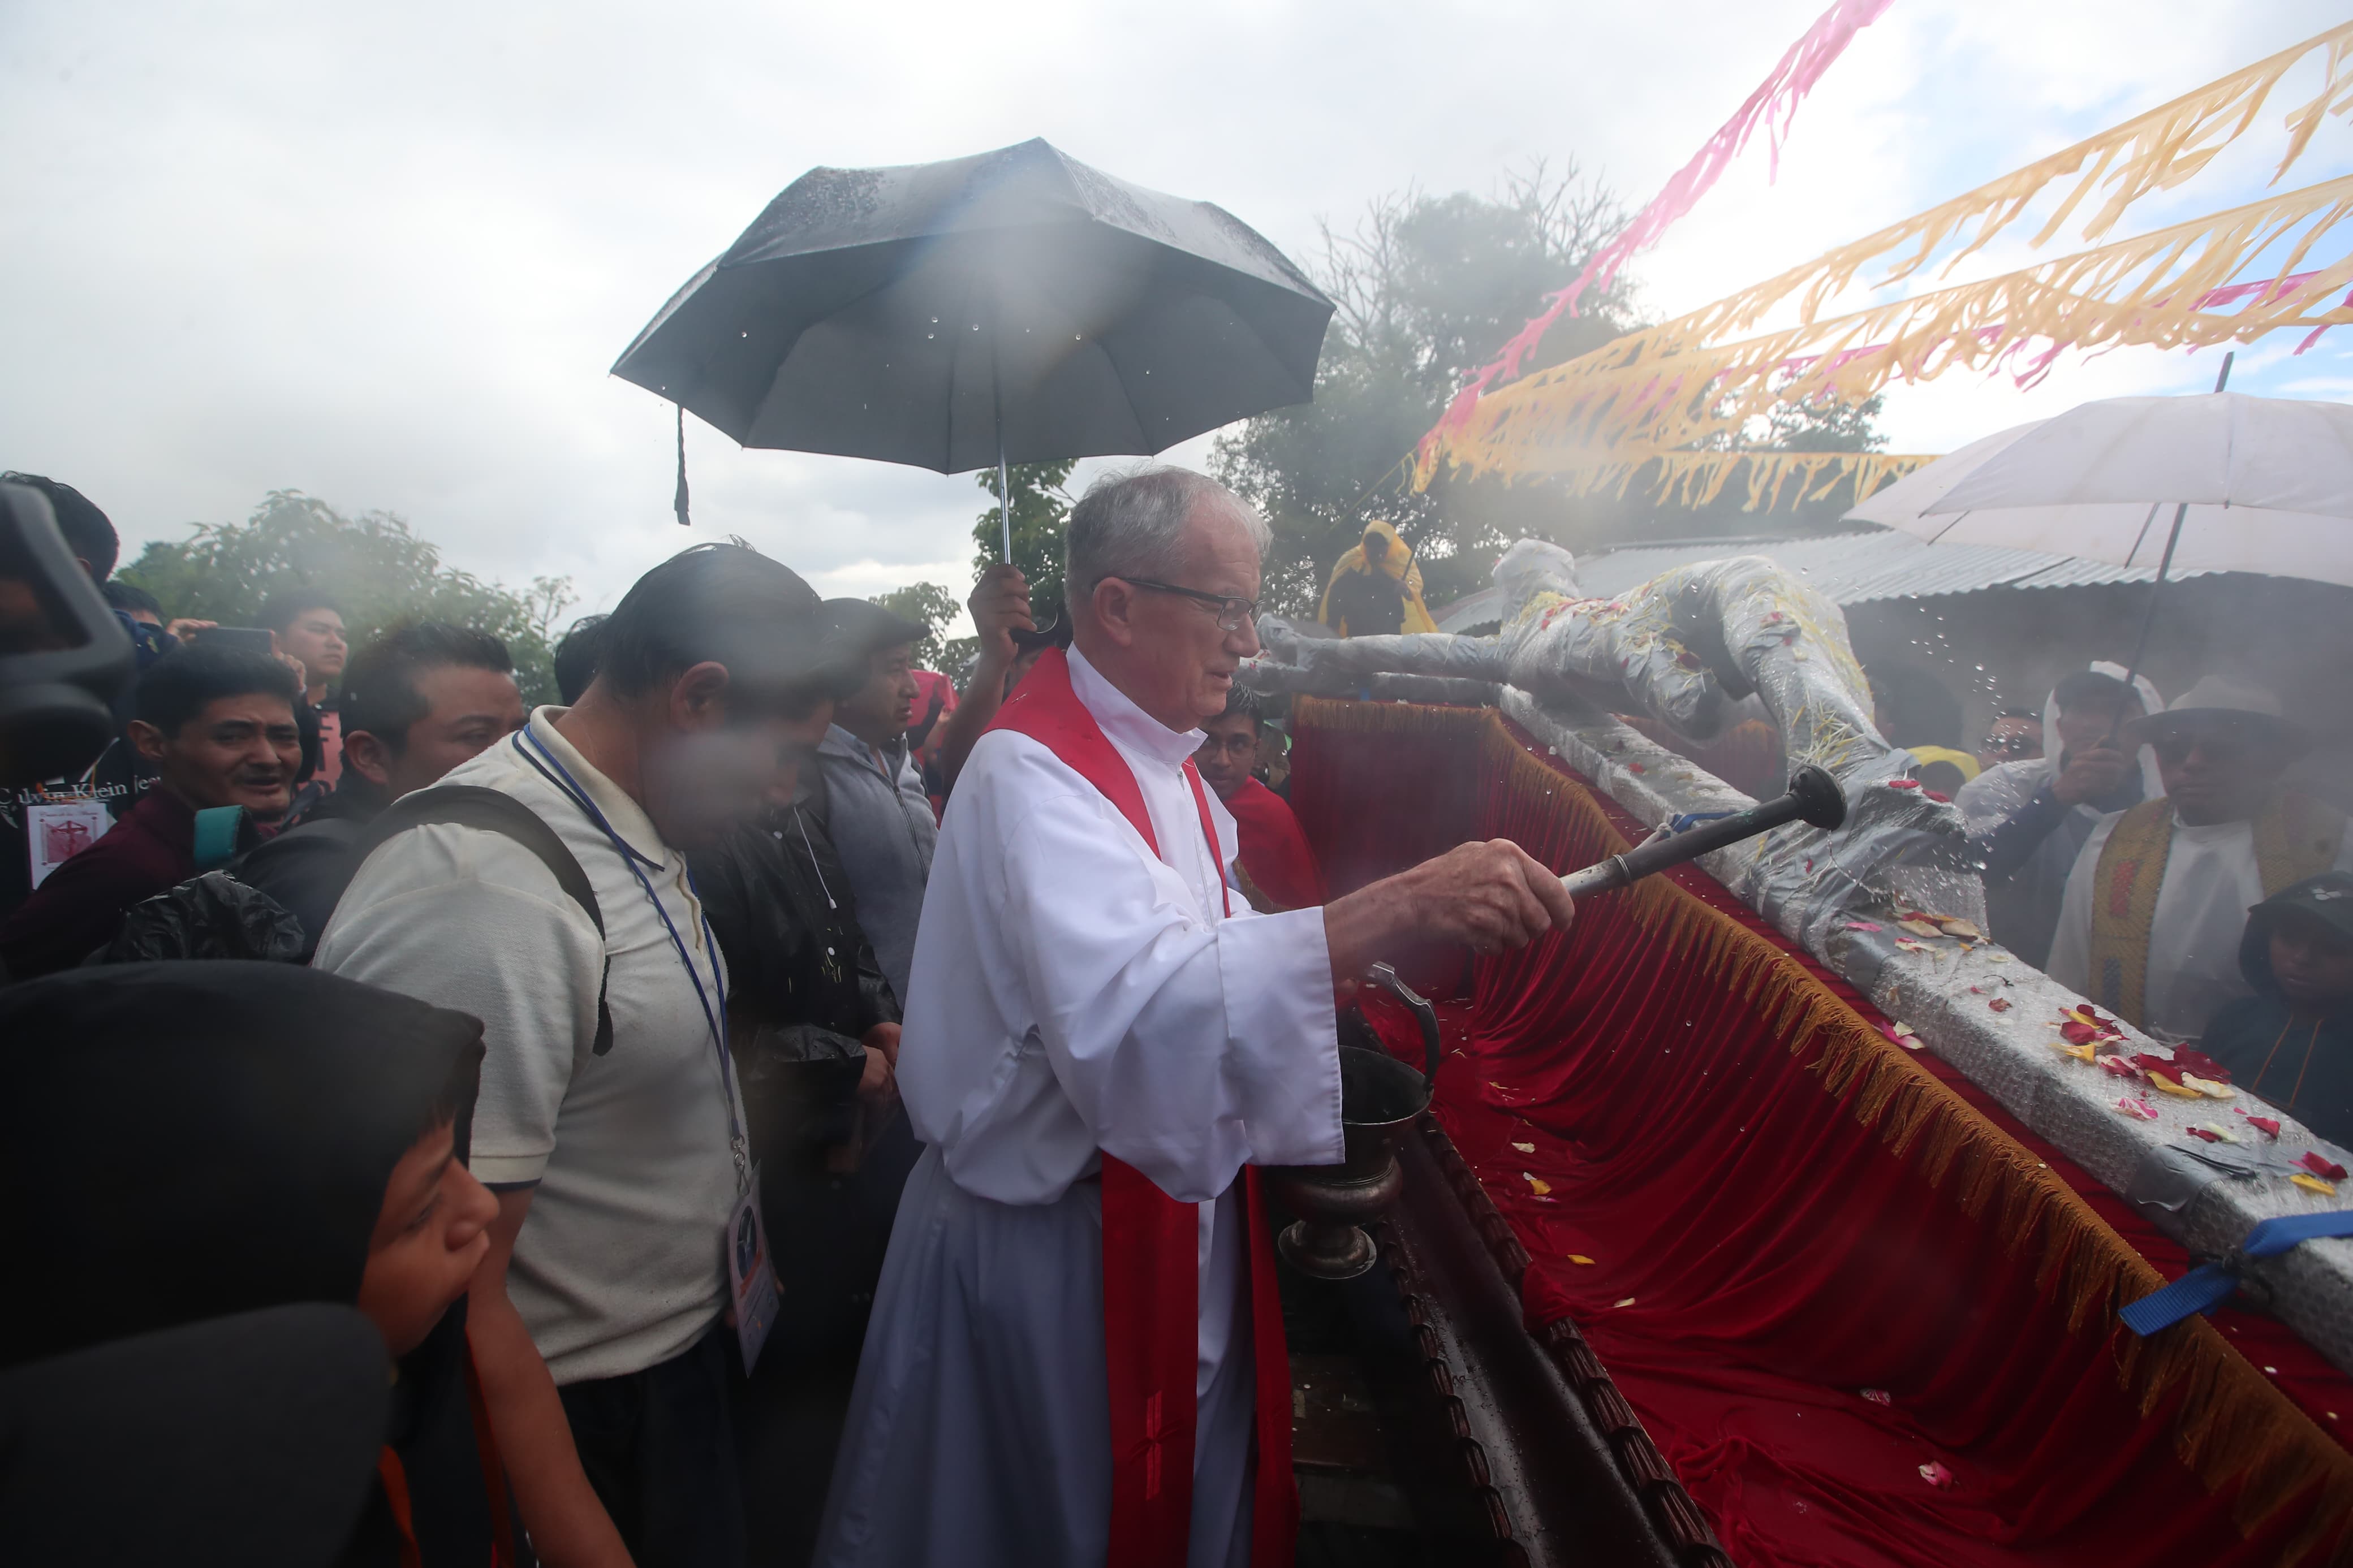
[616,1149]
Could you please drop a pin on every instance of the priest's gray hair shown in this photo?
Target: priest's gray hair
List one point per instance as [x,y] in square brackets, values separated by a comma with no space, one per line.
[1132,525]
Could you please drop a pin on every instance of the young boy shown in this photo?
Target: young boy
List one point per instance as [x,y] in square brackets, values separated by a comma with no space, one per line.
[2292,1042]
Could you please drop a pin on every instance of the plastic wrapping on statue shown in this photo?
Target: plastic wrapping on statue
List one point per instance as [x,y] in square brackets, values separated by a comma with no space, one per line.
[1688,647]
[1343,667]
[211,916]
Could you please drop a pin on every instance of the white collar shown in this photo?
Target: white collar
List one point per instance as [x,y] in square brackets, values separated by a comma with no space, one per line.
[627,816]
[1126,725]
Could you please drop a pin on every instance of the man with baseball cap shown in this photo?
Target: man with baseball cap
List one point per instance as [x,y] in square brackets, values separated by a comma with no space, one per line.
[2158,901]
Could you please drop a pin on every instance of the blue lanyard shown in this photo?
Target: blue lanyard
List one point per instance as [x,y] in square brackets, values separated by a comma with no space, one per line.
[637,864]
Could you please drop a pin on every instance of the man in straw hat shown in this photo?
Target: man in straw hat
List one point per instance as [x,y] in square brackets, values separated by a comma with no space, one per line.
[2159,898]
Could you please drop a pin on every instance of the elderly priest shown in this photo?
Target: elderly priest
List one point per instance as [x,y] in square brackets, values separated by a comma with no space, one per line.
[1076,1355]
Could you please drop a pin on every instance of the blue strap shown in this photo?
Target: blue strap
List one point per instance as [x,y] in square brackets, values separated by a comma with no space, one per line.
[215,841]
[2205,1288]
[2201,1289]
[2274,1237]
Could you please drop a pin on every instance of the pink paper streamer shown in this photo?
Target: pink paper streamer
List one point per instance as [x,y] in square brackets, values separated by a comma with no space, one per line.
[1773,105]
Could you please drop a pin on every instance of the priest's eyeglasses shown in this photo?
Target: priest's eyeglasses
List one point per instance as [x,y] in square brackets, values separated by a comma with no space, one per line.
[1233,613]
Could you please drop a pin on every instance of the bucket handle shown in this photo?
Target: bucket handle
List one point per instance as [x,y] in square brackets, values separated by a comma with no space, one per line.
[1386,977]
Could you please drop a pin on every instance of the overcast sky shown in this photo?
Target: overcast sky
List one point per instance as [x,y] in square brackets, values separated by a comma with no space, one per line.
[387,254]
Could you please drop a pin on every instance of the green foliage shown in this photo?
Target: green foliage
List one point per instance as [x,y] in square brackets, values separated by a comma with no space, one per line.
[372,565]
[1428,289]
[1041,514]
[1827,426]
[930,606]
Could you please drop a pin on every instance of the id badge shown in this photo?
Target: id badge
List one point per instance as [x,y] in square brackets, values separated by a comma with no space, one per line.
[751,1275]
[56,831]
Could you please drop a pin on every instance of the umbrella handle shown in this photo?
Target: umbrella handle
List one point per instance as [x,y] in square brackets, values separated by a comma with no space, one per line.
[1004,486]
[2157,589]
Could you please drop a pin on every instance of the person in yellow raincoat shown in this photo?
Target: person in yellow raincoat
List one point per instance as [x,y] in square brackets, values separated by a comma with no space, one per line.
[1376,589]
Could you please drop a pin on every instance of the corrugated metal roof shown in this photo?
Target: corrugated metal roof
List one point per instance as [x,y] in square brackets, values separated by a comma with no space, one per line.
[1850,568]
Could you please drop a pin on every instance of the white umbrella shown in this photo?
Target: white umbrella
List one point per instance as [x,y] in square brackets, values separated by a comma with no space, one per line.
[2255,484]
[2268,484]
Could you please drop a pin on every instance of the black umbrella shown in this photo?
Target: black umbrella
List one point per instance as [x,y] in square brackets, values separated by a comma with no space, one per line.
[1013,306]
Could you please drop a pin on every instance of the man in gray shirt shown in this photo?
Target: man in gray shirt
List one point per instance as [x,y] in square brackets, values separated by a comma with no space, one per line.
[875,808]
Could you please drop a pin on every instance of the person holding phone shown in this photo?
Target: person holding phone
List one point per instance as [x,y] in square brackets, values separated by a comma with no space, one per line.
[217,724]
[2028,819]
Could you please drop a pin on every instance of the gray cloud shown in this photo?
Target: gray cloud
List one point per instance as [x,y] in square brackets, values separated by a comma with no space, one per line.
[386,255]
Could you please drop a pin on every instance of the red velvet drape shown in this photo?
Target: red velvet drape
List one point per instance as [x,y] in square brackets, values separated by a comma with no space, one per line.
[1783,1210]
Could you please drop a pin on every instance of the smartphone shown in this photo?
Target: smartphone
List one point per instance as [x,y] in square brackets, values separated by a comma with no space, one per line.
[247,639]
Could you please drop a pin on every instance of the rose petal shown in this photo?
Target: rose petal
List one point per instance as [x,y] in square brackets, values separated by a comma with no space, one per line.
[2086,1052]
[1579,1257]
[2313,1185]
[1525,1148]
[1624,1301]
[2320,1165]
[1921,928]
[1999,1003]
[2208,1087]
[1878,1396]
[1936,1475]
[2164,1084]
[1860,925]
[2215,1132]
[1908,945]
[2138,1110]
[2120,1067]
[1539,1185]
[1902,783]
[2264,1124]
[1960,928]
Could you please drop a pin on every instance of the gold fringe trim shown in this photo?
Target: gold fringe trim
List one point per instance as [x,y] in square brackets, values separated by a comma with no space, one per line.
[1671,394]
[2232,1425]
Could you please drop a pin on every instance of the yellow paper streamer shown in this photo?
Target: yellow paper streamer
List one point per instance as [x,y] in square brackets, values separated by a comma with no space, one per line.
[2152,151]
[2134,291]
[1697,479]
[2158,150]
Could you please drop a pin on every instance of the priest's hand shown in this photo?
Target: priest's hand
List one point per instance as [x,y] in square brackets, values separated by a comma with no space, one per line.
[883,1037]
[1490,896]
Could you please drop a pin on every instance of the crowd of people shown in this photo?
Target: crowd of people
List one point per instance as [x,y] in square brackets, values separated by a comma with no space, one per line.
[2150,856]
[566,1044]
[770,1002]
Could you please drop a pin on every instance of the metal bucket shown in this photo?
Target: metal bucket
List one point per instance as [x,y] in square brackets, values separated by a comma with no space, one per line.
[1379,1095]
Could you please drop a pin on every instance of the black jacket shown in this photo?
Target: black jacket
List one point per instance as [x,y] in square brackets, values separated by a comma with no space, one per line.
[2300,1059]
[802,989]
[306,868]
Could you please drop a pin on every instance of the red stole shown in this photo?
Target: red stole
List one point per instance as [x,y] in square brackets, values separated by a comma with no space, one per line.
[1152,1283]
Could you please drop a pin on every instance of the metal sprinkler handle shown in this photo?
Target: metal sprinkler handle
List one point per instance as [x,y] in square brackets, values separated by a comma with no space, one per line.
[1814,799]
[1433,1051]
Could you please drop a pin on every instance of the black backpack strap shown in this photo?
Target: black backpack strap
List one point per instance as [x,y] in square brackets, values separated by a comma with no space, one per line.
[493,811]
